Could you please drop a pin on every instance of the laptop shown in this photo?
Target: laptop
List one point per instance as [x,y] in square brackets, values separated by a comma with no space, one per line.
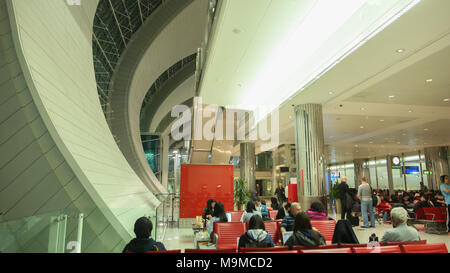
[228,216]
[286,236]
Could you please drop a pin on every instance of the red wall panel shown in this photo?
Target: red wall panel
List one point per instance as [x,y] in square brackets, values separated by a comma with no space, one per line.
[292,193]
[198,183]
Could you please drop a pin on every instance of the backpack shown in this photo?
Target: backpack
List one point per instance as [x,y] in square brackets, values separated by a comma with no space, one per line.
[374,197]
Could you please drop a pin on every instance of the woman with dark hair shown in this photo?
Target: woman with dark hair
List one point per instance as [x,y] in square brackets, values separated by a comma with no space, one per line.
[304,234]
[143,243]
[283,211]
[256,236]
[219,215]
[445,190]
[317,211]
[274,203]
[209,210]
[250,210]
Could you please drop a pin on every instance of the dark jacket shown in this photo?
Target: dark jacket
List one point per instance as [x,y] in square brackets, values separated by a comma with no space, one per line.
[280,194]
[280,214]
[304,238]
[143,245]
[343,188]
[344,234]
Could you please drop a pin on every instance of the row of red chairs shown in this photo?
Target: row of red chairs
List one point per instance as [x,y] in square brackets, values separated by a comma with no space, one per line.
[398,248]
[435,214]
[236,215]
[226,233]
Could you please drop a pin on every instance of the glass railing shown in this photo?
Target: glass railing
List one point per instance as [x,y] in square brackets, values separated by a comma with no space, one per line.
[167,214]
[55,232]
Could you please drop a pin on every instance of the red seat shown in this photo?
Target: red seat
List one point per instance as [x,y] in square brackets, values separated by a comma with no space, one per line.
[266,249]
[273,214]
[426,248]
[269,209]
[236,216]
[330,250]
[326,228]
[436,214]
[421,242]
[274,231]
[353,245]
[381,249]
[227,233]
[222,250]
[166,251]
[315,247]
[282,251]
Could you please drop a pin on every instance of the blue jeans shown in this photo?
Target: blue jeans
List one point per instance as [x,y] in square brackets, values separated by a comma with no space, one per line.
[364,206]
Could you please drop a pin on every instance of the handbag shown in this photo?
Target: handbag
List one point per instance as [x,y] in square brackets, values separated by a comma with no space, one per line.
[354,220]
[374,197]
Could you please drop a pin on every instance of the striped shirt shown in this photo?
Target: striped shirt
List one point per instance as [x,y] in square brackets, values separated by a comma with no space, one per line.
[288,223]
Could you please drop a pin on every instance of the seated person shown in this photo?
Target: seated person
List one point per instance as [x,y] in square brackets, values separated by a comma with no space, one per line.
[383,209]
[209,210]
[317,211]
[250,210]
[400,232]
[143,243]
[440,201]
[274,203]
[262,208]
[219,215]
[283,210]
[304,234]
[288,222]
[256,236]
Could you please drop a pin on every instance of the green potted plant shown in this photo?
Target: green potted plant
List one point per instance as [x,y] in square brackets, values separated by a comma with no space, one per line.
[241,194]
[334,196]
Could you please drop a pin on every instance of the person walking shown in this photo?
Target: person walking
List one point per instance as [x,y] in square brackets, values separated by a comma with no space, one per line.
[365,195]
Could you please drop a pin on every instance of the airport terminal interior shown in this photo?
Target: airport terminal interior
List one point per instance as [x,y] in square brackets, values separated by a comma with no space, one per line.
[115,110]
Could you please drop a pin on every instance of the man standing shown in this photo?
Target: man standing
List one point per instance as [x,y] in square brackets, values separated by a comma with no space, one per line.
[280,193]
[365,195]
[445,189]
[343,192]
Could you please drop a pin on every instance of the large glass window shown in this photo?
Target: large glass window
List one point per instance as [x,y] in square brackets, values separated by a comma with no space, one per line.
[373,174]
[382,175]
[151,145]
[264,161]
[412,173]
[350,173]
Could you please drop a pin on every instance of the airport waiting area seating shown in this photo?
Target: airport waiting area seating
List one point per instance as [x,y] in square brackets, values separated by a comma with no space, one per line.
[433,218]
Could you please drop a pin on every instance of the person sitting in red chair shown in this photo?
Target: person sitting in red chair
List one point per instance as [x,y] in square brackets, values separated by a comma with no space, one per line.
[143,243]
[383,209]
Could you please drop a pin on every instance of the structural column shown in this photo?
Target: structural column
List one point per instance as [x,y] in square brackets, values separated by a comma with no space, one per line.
[389,174]
[165,160]
[436,160]
[248,164]
[310,154]
[361,167]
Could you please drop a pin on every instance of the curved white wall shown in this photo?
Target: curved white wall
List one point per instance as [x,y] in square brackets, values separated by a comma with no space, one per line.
[54,47]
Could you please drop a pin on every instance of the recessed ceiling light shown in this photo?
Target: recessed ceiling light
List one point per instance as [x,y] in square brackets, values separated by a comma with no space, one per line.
[400,50]
[391,96]
[446,100]
[362,108]
[409,111]
[381,120]
[425,129]
[330,93]
[371,142]
[356,145]
[362,127]
[429,80]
